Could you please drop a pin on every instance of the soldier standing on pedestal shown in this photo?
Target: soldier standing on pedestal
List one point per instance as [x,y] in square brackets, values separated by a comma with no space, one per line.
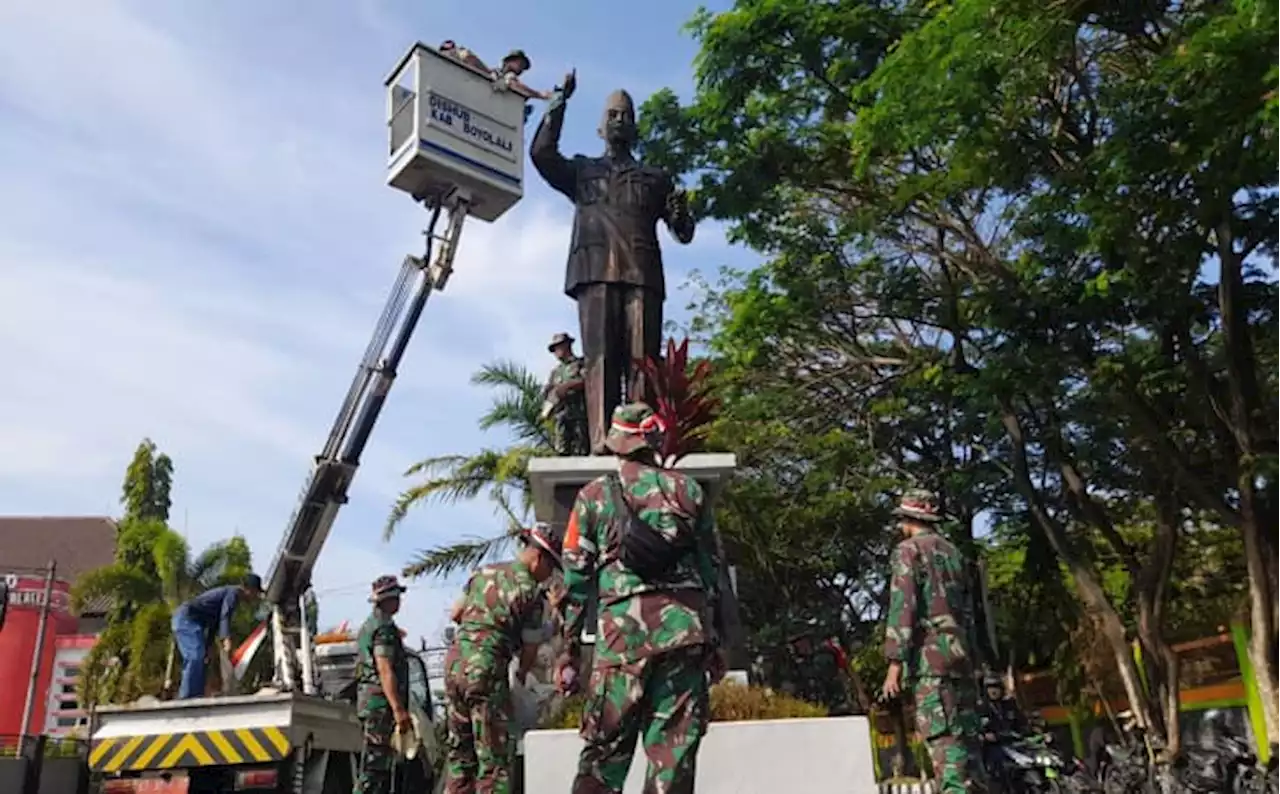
[564,400]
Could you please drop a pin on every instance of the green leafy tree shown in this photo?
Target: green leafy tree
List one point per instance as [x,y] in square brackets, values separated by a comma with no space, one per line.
[1138,182]
[147,484]
[136,658]
[1000,254]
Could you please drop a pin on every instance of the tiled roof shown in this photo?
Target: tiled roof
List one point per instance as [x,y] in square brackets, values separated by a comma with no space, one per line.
[77,544]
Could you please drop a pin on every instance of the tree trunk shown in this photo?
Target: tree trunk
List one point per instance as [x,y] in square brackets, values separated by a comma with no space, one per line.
[1245,413]
[1152,586]
[1092,596]
[1261,620]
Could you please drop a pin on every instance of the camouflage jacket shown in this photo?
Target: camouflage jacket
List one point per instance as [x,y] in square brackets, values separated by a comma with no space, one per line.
[574,404]
[636,618]
[930,625]
[379,637]
[503,608]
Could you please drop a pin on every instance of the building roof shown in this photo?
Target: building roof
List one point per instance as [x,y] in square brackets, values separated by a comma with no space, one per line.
[77,544]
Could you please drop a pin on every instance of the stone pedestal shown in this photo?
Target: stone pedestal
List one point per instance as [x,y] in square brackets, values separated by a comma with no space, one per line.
[829,754]
[556,482]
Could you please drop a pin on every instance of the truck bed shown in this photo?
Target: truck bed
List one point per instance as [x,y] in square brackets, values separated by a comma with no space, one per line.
[218,731]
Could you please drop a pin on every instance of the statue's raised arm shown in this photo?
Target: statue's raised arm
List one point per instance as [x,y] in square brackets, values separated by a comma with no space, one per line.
[615,262]
[559,172]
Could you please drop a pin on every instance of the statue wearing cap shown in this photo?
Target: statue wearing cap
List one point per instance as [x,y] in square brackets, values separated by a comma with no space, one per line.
[642,543]
[563,398]
[502,613]
[930,641]
[614,270]
[382,686]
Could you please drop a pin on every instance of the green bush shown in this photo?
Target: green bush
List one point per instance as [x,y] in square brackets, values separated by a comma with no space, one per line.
[730,702]
[565,713]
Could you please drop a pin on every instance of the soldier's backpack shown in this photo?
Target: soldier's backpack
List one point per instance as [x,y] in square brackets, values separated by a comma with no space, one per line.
[650,553]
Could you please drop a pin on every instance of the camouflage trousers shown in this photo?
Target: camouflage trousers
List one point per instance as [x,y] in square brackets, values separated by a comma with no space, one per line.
[376,757]
[663,700]
[947,722]
[571,433]
[480,749]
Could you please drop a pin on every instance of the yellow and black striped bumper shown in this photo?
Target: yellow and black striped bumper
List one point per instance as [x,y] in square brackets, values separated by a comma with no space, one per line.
[198,748]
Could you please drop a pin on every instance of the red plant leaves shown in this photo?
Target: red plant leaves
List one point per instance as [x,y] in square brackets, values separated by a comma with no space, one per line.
[681,397]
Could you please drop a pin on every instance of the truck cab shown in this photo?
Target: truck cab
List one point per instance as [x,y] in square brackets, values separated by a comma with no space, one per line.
[336,670]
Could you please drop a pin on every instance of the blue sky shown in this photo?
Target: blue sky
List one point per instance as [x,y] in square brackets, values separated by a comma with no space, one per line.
[196,240]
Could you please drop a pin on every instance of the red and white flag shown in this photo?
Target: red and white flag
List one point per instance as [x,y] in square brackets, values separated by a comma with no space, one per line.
[242,656]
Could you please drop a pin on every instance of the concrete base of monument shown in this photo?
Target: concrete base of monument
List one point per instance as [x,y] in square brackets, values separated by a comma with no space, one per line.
[831,754]
[556,482]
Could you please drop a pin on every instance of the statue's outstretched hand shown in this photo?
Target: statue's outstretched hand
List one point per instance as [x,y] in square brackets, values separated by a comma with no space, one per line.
[570,83]
[678,205]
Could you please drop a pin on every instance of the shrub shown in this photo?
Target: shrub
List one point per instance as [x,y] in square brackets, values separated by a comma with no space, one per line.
[730,702]
[564,713]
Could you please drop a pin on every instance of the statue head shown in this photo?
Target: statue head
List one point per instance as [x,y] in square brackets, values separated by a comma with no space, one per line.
[618,124]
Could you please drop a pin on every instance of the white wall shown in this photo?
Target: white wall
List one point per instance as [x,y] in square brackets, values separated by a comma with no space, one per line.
[831,755]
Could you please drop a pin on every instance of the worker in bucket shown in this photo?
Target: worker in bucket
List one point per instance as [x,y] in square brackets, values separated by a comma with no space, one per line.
[514,65]
[642,543]
[382,686]
[195,620]
[503,611]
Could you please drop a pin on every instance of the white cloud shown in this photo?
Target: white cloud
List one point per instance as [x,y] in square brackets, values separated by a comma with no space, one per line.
[195,242]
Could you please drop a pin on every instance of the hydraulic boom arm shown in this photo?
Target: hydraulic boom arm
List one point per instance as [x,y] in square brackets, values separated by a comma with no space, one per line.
[326,489]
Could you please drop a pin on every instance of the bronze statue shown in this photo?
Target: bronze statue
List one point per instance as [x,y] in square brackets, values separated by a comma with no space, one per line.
[615,264]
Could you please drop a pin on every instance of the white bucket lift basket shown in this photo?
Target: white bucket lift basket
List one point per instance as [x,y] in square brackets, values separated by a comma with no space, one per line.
[448,127]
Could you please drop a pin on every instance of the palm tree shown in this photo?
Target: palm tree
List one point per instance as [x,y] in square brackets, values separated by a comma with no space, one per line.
[502,474]
[682,396]
[153,574]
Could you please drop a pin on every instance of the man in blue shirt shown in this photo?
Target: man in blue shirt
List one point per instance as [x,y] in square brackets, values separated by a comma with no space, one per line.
[196,619]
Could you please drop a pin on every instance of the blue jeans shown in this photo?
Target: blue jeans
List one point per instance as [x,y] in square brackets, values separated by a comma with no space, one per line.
[190,637]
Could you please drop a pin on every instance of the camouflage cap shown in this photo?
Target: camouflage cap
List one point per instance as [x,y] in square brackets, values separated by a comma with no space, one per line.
[560,339]
[919,505]
[518,55]
[546,539]
[386,587]
[634,427]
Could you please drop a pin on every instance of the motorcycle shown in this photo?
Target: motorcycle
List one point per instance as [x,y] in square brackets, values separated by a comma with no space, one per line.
[1126,768]
[1017,763]
[1271,780]
[1229,765]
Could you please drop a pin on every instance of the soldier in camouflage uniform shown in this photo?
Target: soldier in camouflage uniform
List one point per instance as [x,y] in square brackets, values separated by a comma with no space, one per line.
[502,611]
[658,639]
[382,680]
[565,399]
[930,637]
